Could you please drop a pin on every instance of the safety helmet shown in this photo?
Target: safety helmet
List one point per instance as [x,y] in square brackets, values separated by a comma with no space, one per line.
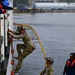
[19,28]
[49,59]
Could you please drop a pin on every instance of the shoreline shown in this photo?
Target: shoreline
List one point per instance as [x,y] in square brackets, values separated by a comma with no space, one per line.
[43,11]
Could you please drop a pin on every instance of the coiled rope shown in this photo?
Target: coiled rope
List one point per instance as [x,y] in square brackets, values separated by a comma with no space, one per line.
[28,26]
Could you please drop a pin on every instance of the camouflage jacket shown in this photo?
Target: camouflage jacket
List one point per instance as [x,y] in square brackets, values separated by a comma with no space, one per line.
[48,71]
[25,38]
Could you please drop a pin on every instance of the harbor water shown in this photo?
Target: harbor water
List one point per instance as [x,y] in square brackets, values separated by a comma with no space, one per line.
[57,34]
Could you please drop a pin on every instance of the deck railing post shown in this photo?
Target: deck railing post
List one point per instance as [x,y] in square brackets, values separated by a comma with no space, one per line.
[2,47]
[10,23]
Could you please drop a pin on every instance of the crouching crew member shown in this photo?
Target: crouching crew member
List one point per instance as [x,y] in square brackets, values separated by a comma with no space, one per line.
[48,67]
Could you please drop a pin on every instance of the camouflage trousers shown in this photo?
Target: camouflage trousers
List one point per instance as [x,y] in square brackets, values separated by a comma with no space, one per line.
[21,55]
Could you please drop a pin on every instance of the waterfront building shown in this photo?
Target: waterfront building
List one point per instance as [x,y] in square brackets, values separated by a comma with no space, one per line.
[55,6]
[30,5]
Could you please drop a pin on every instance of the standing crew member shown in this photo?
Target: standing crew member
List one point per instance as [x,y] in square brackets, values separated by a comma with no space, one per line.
[70,65]
[48,67]
[27,46]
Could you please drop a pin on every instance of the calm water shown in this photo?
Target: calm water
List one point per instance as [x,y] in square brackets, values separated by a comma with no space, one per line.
[57,33]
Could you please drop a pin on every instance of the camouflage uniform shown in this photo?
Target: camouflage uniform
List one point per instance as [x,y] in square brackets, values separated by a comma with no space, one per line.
[48,71]
[27,48]
[48,67]
[22,56]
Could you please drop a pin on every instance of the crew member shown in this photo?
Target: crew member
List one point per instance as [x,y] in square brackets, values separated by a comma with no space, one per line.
[48,67]
[70,65]
[27,46]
